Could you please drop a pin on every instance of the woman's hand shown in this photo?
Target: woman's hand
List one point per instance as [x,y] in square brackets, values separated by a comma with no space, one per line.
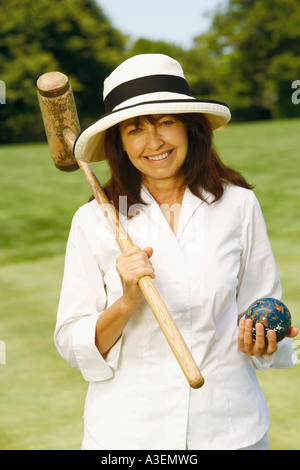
[259,347]
[131,266]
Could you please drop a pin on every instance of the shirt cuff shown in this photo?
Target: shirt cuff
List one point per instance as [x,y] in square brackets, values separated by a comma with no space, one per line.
[262,363]
[283,358]
[91,363]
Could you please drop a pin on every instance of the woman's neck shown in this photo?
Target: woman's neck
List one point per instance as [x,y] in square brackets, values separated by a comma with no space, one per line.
[165,191]
[169,197]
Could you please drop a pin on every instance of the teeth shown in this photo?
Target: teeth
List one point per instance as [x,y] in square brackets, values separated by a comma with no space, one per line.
[160,157]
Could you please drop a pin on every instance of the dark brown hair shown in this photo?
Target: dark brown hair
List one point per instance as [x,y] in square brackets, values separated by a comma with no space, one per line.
[202,168]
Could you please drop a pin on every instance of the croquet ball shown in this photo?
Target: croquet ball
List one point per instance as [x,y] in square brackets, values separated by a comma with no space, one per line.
[273,314]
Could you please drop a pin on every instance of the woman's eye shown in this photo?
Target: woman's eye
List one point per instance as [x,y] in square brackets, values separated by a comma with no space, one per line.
[134,131]
[167,123]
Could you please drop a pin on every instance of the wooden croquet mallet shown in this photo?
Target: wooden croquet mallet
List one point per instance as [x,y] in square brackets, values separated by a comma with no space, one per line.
[62,128]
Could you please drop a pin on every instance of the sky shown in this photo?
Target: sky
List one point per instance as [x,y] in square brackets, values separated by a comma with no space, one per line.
[176,21]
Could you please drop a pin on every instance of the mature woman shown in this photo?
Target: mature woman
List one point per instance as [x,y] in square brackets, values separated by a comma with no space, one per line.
[199,233]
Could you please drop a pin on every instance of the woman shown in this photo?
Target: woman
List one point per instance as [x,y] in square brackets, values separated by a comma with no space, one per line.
[199,233]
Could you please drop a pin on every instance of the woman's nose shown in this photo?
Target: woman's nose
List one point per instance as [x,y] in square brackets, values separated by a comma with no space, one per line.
[155,142]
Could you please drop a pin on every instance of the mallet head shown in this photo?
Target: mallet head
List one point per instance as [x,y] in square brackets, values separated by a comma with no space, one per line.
[59,113]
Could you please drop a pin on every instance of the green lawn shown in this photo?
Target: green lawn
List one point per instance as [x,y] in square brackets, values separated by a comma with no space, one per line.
[41,397]
[268,155]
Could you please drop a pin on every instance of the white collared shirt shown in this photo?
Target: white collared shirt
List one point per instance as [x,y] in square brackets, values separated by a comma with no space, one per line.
[217,264]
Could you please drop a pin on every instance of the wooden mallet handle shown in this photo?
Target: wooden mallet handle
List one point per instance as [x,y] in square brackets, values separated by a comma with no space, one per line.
[62,127]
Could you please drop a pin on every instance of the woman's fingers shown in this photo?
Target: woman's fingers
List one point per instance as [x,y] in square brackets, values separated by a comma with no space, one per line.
[293,331]
[149,251]
[134,264]
[272,342]
[257,347]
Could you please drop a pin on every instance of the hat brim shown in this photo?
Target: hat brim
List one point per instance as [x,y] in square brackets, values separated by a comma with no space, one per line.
[89,146]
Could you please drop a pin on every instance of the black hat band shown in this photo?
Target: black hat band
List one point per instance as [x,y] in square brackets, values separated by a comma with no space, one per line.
[143,86]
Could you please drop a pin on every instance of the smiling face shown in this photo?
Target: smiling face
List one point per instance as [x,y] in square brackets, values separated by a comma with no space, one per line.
[157,148]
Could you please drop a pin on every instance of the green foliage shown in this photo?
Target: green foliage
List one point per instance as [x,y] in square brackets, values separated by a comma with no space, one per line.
[249,58]
[145,46]
[200,69]
[72,36]
[257,48]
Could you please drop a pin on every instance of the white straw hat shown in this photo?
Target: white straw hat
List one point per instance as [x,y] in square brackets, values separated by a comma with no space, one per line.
[142,85]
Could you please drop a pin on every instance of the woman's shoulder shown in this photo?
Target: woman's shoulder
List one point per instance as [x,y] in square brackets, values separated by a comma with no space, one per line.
[238,194]
[235,199]
[88,213]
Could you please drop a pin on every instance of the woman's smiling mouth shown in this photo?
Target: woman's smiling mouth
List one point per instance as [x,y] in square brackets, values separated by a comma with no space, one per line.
[160,157]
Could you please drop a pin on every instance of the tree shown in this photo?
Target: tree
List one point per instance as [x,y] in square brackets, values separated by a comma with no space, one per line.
[147,46]
[72,36]
[257,48]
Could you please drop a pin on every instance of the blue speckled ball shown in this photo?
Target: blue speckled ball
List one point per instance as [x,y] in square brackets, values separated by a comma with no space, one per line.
[273,314]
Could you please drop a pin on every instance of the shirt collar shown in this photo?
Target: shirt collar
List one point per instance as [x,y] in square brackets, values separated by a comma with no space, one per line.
[190,205]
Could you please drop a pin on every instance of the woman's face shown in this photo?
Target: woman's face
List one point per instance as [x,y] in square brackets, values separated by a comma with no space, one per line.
[157,149]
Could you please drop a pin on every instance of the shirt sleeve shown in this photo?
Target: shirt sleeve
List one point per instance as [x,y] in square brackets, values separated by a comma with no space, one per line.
[82,300]
[258,277]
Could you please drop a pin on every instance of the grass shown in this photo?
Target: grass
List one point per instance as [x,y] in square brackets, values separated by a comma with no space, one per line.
[41,397]
[267,153]
[37,203]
